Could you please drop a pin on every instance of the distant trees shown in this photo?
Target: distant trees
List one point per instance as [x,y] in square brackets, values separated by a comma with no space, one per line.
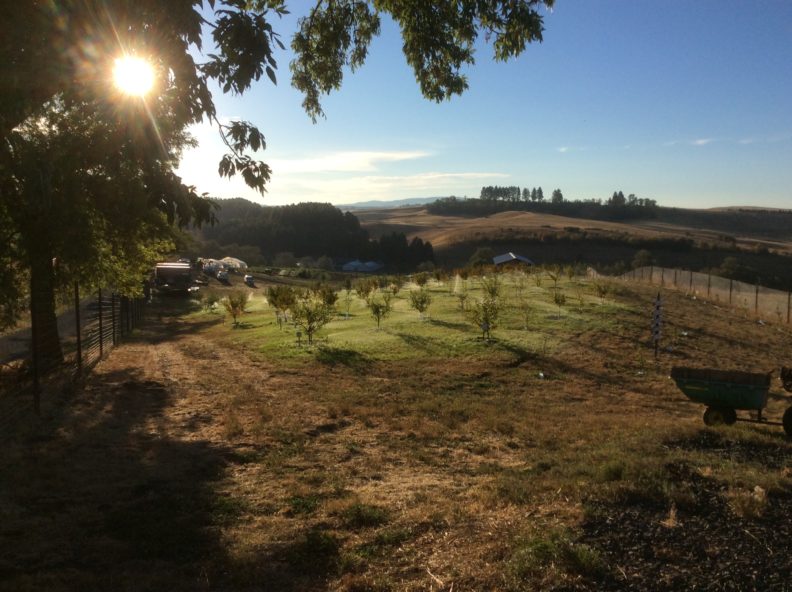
[292,233]
[498,199]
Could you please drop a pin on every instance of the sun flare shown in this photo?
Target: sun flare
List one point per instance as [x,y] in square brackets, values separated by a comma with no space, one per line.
[133,75]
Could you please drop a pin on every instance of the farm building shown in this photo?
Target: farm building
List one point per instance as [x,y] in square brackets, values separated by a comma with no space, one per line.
[508,258]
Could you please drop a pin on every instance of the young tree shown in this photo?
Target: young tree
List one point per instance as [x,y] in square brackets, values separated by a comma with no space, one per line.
[310,311]
[420,300]
[557,197]
[380,306]
[235,304]
[364,288]
[281,298]
[484,315]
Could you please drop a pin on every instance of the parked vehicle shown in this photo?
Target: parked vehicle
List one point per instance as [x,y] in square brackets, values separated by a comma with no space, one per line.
[249,281]
[222,276]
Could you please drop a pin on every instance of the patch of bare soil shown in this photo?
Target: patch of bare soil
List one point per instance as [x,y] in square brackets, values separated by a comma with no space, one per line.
[698,545]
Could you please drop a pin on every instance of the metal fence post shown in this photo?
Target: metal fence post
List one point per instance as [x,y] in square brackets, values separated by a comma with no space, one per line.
[36,366]
[101,328]
[113,318]
[77,327]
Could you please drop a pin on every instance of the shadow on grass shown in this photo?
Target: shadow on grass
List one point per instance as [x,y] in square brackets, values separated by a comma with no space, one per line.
[422,343]
[336,356]
[770,448]
[464,327]
[102,494]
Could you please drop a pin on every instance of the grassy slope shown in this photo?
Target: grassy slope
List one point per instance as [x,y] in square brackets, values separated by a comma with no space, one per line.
[413,457]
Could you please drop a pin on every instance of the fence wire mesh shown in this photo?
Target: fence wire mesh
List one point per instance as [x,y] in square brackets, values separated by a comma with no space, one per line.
[87,329]
[764,303]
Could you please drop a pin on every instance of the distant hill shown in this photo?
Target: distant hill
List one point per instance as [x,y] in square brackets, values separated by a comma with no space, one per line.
[389,204]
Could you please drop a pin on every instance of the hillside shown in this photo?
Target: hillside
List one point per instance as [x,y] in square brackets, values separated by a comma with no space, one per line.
[760,242]
[557,456]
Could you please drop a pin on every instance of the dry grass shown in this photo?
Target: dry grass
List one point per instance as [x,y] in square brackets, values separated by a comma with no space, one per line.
[193,461]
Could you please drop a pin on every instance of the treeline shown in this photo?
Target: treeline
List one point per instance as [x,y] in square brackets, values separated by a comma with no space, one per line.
[496,199]
[304,230]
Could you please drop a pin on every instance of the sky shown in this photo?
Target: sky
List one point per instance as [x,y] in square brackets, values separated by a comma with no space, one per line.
[685,102]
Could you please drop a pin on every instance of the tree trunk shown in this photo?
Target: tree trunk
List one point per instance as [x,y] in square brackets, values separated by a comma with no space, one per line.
[46,341]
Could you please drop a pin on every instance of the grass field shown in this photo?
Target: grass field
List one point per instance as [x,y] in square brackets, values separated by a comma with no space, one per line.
[558,455]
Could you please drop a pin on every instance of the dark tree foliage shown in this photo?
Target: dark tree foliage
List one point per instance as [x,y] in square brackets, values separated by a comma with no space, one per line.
[497,199]
[311,229]
[55,47]
[305,229]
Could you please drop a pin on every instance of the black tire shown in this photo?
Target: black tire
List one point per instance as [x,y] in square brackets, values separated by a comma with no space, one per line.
[787,421]
[714,416]
[729,416]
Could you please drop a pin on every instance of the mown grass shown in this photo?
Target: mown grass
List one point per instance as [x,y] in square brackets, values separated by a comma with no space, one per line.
[353,340]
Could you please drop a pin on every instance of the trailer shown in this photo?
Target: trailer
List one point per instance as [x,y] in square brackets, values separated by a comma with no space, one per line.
[173,278]
[725,392]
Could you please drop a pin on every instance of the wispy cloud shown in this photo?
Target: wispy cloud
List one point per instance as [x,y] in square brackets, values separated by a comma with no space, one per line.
[702,142]
[364,187]
[341,162]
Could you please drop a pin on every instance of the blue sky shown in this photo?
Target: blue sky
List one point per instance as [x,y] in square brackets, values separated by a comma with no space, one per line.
[686,102]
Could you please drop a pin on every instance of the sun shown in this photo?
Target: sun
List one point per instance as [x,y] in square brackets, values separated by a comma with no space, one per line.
[133,75]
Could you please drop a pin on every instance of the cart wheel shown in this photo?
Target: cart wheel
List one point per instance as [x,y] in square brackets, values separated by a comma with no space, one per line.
[729,416]
[787,421]
[717,415]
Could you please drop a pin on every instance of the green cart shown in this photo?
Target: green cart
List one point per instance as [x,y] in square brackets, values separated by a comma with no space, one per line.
[725,392]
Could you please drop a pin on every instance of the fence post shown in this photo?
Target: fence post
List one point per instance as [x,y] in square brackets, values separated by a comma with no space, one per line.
[77,327]
[789,302]
[662,276]
[690,288]
[101,328]
[675,276]
[36,368]
[731,281]
[756,300]
[113,318]
[709,284]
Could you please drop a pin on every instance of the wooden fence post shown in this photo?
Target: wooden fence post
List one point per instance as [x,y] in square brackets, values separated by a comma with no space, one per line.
[690,288]
[756,300]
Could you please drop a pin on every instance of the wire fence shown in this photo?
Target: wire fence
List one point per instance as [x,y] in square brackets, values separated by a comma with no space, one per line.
[86,330]
[764,303]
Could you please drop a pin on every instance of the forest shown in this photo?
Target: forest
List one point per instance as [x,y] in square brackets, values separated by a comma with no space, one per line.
[258,234]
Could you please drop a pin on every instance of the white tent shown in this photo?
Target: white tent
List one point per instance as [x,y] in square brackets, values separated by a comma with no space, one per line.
[232,263]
